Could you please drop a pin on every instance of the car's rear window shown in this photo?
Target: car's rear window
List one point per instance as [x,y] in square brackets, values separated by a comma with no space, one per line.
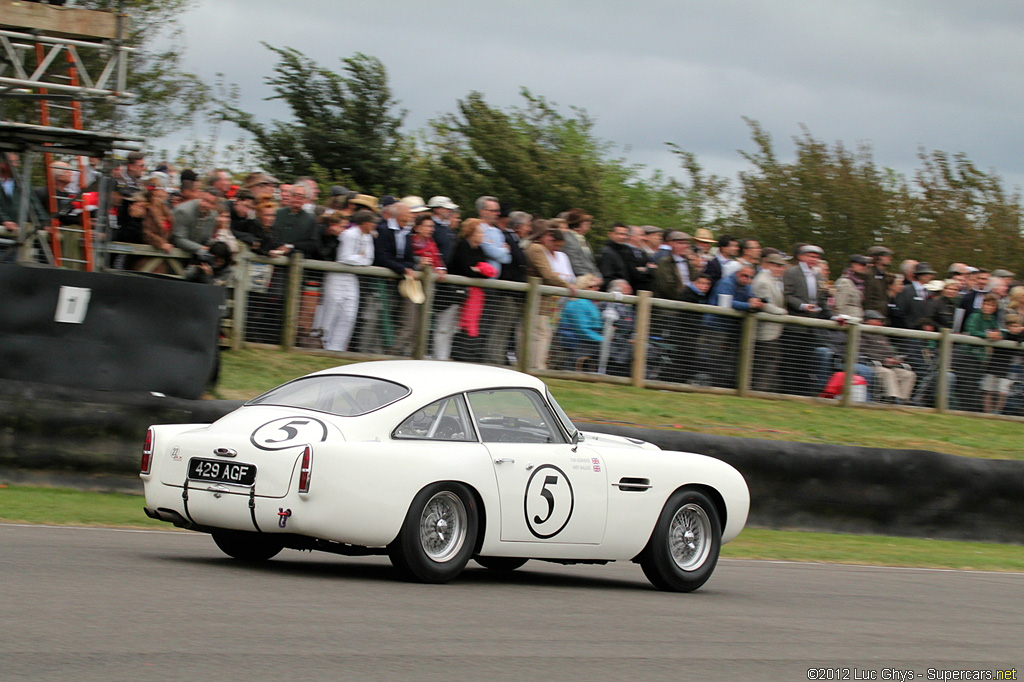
[345,395]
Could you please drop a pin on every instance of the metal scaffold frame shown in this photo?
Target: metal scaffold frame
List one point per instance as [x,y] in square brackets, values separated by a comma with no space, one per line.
[17,45]
[86,39]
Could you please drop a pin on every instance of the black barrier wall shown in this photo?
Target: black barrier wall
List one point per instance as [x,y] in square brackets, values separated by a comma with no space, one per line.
[864,490]
[94,439]
[113,332]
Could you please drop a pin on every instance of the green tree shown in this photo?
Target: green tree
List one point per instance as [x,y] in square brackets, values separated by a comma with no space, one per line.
[538,159]
[345,125]
[829,195]
[842,201]
[965,215]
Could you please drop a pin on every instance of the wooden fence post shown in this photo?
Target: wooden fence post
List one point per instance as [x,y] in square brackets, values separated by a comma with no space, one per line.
[531,308]
[850,363]
[241,300]
[745,361]
[945,365]
[422,340]
[293,291]
[642,334]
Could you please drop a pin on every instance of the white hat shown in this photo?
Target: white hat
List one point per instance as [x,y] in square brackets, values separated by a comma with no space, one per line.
[442,202]
[414,203]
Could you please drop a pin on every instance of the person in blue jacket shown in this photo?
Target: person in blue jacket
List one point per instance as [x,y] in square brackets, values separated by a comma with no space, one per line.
[724,333]
[580,329]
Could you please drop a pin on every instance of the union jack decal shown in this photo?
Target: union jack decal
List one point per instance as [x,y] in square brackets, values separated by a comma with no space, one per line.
[597,463]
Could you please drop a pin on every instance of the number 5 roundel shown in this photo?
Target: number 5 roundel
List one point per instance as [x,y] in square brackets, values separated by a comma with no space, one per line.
[549,501]
[288,432]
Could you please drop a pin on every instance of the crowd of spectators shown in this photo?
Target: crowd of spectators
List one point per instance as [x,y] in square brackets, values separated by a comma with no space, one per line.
[212,218]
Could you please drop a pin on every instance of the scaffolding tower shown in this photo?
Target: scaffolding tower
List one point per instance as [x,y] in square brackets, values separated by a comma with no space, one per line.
[61,57]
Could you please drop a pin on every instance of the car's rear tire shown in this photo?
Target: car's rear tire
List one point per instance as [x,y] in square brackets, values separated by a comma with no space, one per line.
[245,546]
[438,535]
[683,549]
[500,563]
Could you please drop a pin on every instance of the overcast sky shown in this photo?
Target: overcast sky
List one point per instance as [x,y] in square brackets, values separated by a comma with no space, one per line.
[896,74]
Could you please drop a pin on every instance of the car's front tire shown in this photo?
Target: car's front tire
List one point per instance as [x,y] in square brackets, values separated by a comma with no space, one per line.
[438,535]
[245,546]
[683,549]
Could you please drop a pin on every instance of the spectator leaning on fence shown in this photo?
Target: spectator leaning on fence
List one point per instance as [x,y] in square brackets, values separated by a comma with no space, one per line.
[767,286]
[539,257]
[724,330]
[341,289]
[806,296]
[507,306]
[195,221]
[984,324]
[878,280]
[580,327]
[441,209]
[897,379]
[294,228]
[850,288]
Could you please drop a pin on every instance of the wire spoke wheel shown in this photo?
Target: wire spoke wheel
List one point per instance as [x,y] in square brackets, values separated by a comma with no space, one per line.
[683,549]
[443,526]
[690,537]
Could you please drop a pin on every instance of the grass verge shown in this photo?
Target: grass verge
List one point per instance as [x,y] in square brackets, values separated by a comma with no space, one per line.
[58,506]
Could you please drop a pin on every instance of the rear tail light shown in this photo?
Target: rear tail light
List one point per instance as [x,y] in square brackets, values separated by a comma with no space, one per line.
[305,472]
[147,452]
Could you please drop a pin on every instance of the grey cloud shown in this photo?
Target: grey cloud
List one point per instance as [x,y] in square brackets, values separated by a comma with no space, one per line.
[898,74]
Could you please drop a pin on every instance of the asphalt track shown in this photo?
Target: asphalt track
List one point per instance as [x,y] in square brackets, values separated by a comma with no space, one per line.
[100,604]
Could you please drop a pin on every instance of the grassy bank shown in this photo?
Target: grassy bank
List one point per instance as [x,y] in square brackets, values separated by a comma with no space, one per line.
[19,504]
[247,373]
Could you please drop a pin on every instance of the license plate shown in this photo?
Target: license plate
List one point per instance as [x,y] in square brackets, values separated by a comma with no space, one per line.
[221,472]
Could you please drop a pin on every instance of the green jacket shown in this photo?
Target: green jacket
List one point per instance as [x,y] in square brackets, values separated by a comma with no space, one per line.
[979,324]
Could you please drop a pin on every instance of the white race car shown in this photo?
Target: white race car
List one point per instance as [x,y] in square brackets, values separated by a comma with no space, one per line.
[434,464]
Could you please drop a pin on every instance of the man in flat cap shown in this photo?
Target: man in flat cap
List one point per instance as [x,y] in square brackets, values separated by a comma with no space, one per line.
[806,296]
[441,209]
[768,287]
[850,287]
[912,302]
[878,280]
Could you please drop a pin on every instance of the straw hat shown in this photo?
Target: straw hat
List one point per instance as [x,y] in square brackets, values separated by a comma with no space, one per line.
[411,288]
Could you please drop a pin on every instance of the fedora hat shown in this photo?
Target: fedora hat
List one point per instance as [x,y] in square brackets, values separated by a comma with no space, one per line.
[364,200]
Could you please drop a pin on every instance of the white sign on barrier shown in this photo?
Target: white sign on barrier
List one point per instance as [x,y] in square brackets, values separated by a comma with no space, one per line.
[72,305]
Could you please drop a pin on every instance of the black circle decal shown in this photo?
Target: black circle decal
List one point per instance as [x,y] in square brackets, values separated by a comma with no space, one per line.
[288,432]
[548,502]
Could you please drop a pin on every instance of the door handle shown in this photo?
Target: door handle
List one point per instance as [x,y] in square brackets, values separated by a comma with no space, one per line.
[504,460]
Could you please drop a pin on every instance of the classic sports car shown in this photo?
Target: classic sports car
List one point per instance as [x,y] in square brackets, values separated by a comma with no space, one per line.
[435,463]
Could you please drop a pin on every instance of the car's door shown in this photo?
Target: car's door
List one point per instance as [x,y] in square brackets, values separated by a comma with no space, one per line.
[549,490]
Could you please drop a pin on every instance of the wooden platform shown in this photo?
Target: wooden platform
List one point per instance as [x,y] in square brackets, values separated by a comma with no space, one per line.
[62,22]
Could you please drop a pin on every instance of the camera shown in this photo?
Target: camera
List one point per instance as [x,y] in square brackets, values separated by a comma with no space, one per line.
[205,257]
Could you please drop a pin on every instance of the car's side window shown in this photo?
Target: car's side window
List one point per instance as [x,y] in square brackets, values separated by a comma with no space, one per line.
[446,419]
[513,415]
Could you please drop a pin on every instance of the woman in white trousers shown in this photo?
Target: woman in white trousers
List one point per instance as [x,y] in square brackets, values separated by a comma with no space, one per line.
[341,289]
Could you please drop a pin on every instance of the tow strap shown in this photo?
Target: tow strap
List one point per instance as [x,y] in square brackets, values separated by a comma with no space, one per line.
[184,497]
[252,507]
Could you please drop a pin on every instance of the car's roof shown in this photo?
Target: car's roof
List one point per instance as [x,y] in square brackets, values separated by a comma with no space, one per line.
[442,378]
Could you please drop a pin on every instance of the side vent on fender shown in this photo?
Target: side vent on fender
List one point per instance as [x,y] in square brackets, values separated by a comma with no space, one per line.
[633,485]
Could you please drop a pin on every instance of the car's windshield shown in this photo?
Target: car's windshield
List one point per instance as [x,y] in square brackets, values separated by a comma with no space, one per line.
[345,395]
[570,428]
